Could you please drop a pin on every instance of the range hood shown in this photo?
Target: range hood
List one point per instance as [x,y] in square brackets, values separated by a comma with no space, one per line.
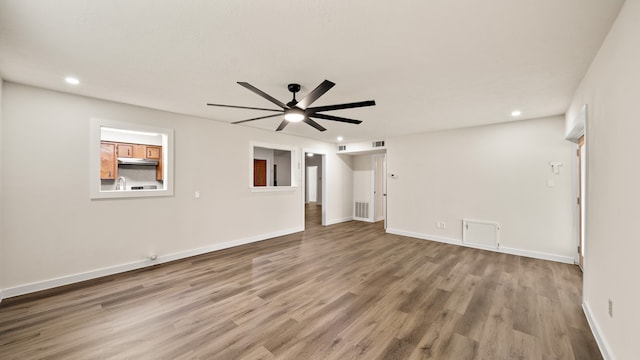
[136,161]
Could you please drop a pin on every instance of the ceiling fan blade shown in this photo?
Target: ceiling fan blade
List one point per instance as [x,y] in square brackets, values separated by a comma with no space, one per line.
[336,118]
[315,94]
[282,125]
[243,107]
[341,106]
[256,118]
[314,124]
[263,94]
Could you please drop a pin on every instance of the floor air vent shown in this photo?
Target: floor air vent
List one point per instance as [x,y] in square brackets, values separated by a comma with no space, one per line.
[362,210]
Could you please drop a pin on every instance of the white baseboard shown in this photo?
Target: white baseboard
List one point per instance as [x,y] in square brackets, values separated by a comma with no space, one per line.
[441,239]
[363,219]
[338,221]
[94,274]
[538,255]
[605,349]
[506,250]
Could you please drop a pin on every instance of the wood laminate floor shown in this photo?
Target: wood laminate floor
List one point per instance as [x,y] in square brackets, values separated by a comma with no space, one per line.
[347,291]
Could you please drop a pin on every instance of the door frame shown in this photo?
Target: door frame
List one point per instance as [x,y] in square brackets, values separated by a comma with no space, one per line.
[582,157]
[577,130]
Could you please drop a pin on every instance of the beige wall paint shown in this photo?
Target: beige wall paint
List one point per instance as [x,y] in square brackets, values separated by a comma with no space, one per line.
[339,196]
[496,173]
[362,181]
[611,89]
[52,229]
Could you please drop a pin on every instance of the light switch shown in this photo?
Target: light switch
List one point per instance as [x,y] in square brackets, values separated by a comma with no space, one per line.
[197,195]
[551,183]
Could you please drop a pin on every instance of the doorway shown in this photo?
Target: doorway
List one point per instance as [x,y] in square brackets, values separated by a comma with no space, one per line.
[314,189]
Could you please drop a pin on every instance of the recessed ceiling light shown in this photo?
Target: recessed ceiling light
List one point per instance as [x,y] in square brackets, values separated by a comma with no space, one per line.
[71,80]
[339,138]
[515,113]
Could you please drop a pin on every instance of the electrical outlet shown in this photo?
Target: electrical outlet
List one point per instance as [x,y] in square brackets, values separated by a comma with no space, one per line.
[611,308]
[443,225]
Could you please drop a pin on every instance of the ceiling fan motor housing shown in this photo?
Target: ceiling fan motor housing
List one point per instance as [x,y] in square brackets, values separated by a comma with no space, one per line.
[294,88]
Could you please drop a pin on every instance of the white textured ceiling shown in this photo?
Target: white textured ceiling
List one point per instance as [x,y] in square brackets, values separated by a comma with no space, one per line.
[429,64]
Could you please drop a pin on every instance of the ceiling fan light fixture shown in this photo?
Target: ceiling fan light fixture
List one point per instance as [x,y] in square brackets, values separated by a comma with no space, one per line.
[294,115]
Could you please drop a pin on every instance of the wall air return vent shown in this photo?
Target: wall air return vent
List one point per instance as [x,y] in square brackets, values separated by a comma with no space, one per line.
[362,210]
[481,233]
[377,144]
[342,147]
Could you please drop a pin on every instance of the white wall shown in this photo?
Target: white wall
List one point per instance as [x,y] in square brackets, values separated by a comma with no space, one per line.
[362,181]
[283,163]
[343,190]
[496,173]
[119,136]
[53,230]
[611,88]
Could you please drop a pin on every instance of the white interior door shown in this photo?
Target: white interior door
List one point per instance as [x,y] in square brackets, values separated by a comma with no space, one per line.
[312,183]
[379,188]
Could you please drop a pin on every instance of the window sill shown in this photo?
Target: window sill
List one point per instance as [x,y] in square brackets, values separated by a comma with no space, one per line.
[272,188]
[116,194]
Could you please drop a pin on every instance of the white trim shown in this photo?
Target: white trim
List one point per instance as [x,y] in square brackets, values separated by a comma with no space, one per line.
[338,221]
[94,274]
[272,188]
[505,250]
[1,294]
[295,176]
[538,255]
[605,349]
[436,238]
[369,220]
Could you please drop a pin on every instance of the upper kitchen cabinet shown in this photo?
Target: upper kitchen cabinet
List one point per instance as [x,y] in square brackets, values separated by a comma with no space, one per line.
[154,152]
[108,161]
[125,150]
[139,151]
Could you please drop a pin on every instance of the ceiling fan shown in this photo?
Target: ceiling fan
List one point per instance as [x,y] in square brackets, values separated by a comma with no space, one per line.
[296,111]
